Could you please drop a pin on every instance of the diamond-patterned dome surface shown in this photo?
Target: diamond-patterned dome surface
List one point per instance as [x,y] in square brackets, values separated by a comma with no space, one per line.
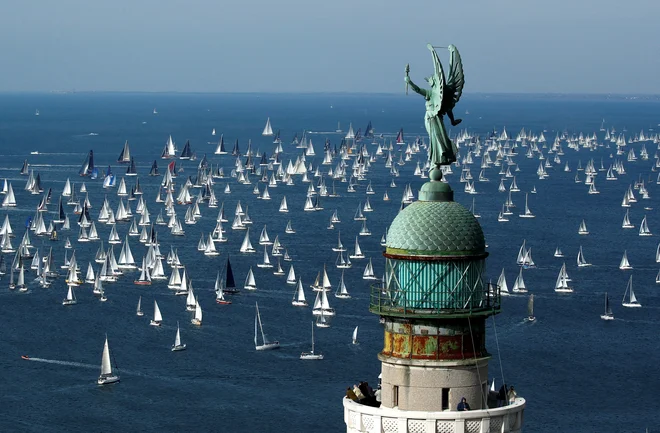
[435,228]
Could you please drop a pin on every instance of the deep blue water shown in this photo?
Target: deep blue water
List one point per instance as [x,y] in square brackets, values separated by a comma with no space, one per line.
[577,372]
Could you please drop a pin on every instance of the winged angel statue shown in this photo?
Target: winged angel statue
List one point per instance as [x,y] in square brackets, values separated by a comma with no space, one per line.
[441,98]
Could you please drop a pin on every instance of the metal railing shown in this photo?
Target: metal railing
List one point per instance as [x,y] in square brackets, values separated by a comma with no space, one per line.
[434,302]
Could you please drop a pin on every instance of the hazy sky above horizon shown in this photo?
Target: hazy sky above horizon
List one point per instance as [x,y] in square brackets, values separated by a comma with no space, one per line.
[563,46]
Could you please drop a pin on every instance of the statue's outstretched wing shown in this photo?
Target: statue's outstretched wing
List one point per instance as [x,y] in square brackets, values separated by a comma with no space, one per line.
[437,93]
[456,79]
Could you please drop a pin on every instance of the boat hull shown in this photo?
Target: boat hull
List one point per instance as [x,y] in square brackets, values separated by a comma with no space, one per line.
[311,356]
[178,348]
[107,380]
[268,346]
[632,304]
[325,312]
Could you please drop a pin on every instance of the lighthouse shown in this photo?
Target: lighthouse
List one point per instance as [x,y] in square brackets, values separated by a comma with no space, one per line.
[433,305]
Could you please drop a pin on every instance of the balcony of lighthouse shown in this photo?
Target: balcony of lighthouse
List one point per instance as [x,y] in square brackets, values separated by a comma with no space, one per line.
[360,418]
[434,289]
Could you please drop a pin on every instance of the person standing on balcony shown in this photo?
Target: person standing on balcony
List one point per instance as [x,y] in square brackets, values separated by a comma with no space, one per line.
[512,395]
[463,405]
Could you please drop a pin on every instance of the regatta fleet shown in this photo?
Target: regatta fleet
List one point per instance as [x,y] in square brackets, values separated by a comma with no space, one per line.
[187,189]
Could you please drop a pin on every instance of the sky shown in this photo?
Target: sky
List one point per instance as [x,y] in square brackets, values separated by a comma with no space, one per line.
[509,46]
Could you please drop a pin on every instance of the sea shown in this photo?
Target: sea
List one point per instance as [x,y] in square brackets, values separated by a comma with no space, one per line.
[578,373]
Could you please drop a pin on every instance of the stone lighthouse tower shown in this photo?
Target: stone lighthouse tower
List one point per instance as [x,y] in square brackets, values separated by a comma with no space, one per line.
[433,306]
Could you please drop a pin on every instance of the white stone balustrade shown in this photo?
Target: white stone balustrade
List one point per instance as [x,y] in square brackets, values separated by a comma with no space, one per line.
[360,418]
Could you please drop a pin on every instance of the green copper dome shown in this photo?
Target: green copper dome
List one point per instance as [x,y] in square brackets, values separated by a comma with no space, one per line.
[435,228]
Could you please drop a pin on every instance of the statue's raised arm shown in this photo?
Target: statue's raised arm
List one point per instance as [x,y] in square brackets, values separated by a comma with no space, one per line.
[414,86]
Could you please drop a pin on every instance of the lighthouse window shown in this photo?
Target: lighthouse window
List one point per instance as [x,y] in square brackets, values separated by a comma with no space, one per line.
[445,398]
[395,396]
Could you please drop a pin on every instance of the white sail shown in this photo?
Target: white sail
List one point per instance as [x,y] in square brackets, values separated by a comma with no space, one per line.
[355,335]
[268,130]
[342,291]
[246,246]
[157,316]
[284,207]
[632,299]
[191,302]
[197,320]
[625,264]
[644,228]
[106,366]
[177,339]
[501,283]
[519,284]
[250,283]
[291,276]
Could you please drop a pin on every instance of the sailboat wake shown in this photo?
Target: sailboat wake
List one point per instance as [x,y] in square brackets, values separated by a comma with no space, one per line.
[69,363]
[91,366]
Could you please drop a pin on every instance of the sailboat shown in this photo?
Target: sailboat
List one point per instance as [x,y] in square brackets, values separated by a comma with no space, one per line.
[266,345]
[342,292]
[178,346]
[322,322]
[626,221]
[530,309]
[528,213]
[644,228]
[197,320]
[558,252]
[583,229]
[70,297]
[311,355]
[501,283]
[144,279]
[355,335]
[268,130]
[266,262]
[158,318]
[581,261]
[299,296]
[632,300]
[220,291]
[20,284]
[561,286]
[519,284]
[340,247]
[125,155]
[139,311]
[368,273]
[625,264]
[607,315]
[250,283]
[230,284]
[107,376]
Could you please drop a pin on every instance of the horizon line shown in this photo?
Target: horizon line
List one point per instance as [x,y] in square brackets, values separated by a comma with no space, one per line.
[346,93]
